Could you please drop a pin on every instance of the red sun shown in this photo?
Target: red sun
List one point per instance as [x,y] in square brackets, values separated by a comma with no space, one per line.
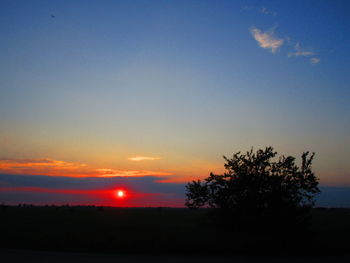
[120,194]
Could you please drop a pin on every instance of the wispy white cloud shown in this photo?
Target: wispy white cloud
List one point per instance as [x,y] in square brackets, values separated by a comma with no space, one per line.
[300,52]
[315,60]
[143,158]
[247,8]
[261,10]
[267,40]
[267,11]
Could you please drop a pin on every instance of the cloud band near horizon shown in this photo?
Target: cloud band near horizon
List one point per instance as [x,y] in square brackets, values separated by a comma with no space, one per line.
[51,167]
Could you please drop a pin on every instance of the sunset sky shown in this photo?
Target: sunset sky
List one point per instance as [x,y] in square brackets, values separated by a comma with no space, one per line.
[145,96]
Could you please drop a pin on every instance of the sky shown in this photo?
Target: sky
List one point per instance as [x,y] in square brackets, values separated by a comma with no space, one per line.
[145,96]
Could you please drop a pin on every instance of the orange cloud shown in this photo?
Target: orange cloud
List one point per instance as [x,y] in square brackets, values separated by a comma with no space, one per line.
[143,158]
[46,166]
[267,40]
[48,190]
[116,173]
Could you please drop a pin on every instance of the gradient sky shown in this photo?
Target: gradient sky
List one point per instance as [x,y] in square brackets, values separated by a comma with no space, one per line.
[148,95]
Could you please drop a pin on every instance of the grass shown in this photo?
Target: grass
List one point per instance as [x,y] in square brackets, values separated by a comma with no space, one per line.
[160,230]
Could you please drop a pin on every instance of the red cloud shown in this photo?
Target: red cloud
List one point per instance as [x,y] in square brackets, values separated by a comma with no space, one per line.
[105,197]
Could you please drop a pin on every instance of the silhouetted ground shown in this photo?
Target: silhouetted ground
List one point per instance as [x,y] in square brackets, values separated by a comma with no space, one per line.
[20,256]
[160,232]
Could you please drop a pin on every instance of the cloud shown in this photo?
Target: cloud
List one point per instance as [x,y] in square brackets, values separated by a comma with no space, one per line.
[315,60]
[41,190]
[333,197]
[262,10]
[143,158]
[51,167]
[47,162]
[299,52]
[267,11]
[267,40]
[144,191]
[47,190]
[247,8]
[116,173]
[139,184]
[44,166]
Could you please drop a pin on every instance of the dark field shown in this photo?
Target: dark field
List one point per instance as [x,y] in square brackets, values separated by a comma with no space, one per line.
[162,231]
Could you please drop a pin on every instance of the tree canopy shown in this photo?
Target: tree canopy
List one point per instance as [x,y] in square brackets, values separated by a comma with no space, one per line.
[255,184]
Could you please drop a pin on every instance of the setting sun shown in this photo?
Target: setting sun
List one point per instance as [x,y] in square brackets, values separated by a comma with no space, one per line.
[120,193]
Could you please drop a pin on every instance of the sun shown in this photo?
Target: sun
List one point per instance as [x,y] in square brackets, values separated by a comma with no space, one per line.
[120,193]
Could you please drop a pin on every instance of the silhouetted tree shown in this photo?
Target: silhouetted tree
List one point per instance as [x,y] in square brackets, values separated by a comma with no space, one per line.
[256,189]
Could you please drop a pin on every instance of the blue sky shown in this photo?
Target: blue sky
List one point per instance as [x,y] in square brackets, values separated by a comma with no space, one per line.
[183,81]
